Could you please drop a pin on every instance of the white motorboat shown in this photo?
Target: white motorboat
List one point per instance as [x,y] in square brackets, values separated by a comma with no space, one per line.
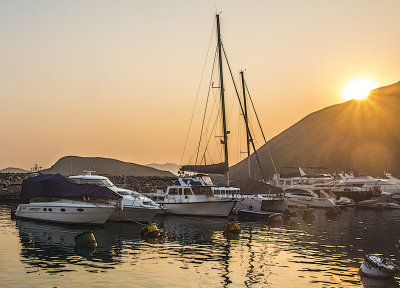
[287,180]
[66,211]
[190,196]
[56,198]
[136,207]
[301,195]
[376,266]
[390,185]
[252,202]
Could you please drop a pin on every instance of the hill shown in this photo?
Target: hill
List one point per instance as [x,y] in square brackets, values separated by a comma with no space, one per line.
[362,136]
[171,167]
[14,170]
[74,165]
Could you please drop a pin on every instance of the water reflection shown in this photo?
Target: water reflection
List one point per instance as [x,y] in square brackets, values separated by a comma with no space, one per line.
[324,252]
[52,246]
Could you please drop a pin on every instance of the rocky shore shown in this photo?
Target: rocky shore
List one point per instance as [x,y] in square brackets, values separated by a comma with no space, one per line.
[142,184]
[11,182]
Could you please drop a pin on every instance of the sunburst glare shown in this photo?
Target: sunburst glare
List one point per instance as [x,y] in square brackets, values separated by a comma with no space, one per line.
[358,89]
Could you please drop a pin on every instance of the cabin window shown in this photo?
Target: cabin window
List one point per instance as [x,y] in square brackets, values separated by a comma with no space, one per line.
[50,209]
[80,210]
[202,190]
[78,180]
[173,191]
[44,209]
[187,191]
[62,209]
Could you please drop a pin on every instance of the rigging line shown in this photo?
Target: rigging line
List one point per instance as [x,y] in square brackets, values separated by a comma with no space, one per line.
[241,107]
[259,124]
[205,109]
[212,131]
[213,128]
[198,92]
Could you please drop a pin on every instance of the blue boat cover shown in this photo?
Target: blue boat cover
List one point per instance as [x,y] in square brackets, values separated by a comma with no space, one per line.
[58,186]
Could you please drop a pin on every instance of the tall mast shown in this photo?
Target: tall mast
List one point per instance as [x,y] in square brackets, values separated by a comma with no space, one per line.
[247,122]
[221,81]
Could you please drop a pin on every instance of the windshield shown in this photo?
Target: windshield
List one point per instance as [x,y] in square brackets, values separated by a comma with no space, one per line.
[145,200]
[100,182]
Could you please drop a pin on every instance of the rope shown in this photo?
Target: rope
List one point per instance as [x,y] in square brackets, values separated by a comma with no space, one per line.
[241,107]
[205,109]
[130,219]
[259,124]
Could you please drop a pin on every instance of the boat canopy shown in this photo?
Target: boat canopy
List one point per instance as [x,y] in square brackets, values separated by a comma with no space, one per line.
[58,186]
[252,186]
[220,168]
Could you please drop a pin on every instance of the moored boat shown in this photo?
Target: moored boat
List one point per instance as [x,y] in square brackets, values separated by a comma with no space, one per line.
[190,196]
[66,211]
[55,198]
[376,266]
[136,206]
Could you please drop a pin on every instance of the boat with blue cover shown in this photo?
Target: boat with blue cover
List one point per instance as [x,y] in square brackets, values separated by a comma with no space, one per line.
[56,198]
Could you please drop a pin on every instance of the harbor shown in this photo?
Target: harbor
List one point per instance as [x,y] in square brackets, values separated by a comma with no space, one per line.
[321,253]
[187,144]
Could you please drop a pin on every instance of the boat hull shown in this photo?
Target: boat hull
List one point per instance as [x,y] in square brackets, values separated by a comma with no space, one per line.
[311,202]
[70,213]
[275,204]
[356,195]
[205,208]
[375,266]
[373,272]
[135,214]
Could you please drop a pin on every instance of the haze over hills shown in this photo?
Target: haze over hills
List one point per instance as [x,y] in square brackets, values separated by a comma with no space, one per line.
[362,136]
[74,165]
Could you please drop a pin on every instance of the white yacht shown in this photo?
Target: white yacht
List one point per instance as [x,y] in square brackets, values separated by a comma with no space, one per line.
[66,211]
[300,195]
[136,207]
[56,198]
[191,196]
[390,185]
[286,180]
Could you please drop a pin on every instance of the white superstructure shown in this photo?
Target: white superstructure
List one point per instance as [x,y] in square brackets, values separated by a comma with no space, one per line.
[191,196]
[136,207]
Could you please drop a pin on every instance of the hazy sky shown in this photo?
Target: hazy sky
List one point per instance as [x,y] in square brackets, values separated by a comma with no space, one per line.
[119,78]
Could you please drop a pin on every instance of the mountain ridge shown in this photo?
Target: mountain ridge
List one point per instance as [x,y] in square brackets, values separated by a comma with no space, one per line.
[355,135]
[74,165]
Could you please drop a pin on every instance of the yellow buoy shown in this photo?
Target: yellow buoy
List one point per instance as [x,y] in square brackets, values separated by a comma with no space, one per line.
[150,231]
[232,227]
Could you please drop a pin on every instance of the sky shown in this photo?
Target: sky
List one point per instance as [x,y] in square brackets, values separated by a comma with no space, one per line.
[119,79]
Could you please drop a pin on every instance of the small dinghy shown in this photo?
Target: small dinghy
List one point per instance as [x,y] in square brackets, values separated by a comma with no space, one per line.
[376,266]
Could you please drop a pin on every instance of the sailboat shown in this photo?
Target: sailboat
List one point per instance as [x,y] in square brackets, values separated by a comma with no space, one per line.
[265,201]
[190,195]
[259,195]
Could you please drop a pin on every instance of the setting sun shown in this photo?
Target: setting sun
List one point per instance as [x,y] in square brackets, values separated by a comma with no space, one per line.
[358,89]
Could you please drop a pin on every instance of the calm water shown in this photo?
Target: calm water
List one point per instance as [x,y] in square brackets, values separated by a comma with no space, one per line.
[193,252]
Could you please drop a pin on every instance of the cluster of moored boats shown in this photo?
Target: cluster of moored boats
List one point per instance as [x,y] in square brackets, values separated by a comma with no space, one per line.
[326,191]
[94,199]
